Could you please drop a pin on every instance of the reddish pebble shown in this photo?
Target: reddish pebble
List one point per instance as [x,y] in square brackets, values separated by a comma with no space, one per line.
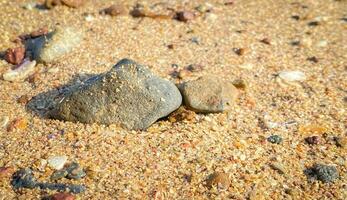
[312,140]
[39,32]
[62,196]
[185,16]
[15,56]
[6,172]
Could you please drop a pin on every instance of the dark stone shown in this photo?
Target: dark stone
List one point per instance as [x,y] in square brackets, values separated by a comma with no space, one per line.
[275,139]
[324,173]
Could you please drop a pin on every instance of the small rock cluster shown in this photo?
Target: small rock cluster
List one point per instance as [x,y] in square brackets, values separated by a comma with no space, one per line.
[132,96]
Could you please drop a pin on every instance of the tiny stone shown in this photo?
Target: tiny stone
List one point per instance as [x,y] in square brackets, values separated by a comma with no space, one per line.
[19,123]
[57,162]
[62,196]
[15,56]
[59,174]
[341,142]
[52,3]
[275,139]
[324,173]
[218,179]
[23,178]
[6,172]
[239,51]
[115,10]
[313,140]
[313,59]
[229,2]
[240,84]
[266,41]
[75,171]
[313,23]
[39,32]
[24,99]
[185,16]
[194,67]
[170,46]
[73,3]
[296,17]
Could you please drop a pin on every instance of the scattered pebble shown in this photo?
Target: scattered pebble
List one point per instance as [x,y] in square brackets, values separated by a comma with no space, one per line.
[55,44]
[19,123]
[20,73]
[52,3]
[240,84]
[275,139]
[266,41]
[129,86]
[73,3]
[229,2]
[239,51]
[313,59]
[185,16]
[296,17]
[209,94]
[24,99]
[142,11]
[278,167]
[59,174]
[324,173]
[194,68]
[39,32]
[57,162]
[4,121]
[313,140]
[15,56]
[6,172]
[182,114]
[62,196]
[115,10]
[219,180]
[341,142]
[75,171]
[313,23]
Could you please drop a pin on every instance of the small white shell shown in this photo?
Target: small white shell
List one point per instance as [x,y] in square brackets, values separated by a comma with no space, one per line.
[292,76]
[57,162]
[25,69]
[3,121]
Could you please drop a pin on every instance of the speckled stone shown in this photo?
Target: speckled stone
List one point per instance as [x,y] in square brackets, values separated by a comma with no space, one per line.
[129,95]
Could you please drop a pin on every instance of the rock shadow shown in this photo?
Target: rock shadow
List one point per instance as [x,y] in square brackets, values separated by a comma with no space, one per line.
[45,102]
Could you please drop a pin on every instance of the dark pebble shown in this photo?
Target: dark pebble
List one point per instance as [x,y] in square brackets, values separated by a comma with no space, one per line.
[275,139]
[296,17]
[23,178]
[324,173]
[59,174]
[75,171]
[185,16]
[313,59]
[313,140]
[313,23]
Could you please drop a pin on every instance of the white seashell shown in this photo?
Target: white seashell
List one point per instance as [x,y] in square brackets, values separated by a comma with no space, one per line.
[3,121]
[24,70]
[57,162]
[292,76]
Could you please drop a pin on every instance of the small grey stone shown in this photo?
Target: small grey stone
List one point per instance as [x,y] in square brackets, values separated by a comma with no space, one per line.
[59,174]
[129,95]
[208,94]
[324,173]
[275,139]
[24,178]
[48,48]
[75,171]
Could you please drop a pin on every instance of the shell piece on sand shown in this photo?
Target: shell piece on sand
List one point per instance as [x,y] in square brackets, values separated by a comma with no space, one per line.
[57,162]
[24,70]
[292,76]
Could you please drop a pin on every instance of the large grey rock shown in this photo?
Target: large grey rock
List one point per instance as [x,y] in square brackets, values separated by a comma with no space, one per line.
[209,94]
[129,95]
[48,48]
